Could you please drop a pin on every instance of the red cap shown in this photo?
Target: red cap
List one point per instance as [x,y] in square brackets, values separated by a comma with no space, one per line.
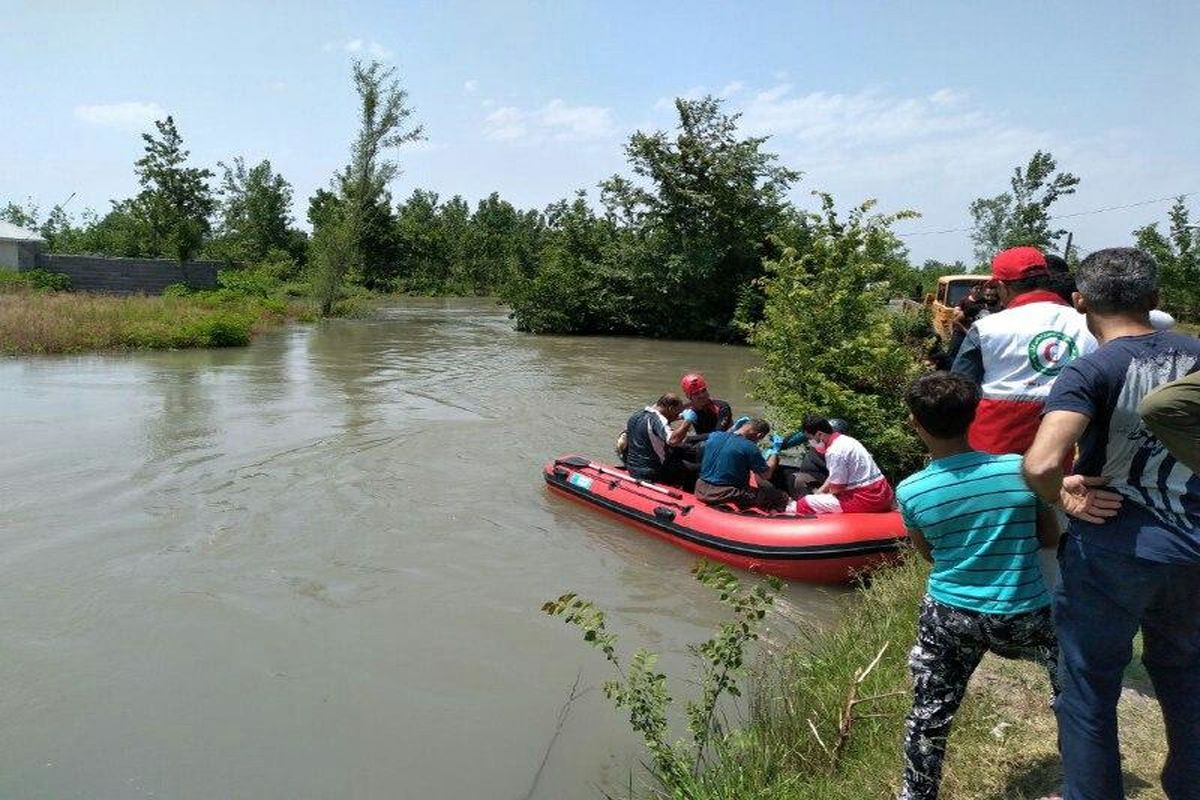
[1016,263]
[692,383]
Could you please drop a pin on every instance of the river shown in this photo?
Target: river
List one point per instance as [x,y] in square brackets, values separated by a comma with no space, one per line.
[313,567]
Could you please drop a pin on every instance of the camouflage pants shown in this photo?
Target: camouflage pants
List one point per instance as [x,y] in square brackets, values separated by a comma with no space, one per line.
[950,644]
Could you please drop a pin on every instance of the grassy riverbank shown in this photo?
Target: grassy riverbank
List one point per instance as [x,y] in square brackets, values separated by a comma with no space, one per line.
[36,319]
[1003,744]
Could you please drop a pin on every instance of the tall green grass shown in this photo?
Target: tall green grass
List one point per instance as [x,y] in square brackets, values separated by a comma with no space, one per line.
[1003,745]
[799,743]
[60,322]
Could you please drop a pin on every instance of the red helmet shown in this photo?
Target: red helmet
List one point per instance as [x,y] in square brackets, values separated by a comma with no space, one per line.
[692,383]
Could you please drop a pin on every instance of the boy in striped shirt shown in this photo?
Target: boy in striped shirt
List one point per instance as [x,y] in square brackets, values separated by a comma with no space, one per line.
[971,515]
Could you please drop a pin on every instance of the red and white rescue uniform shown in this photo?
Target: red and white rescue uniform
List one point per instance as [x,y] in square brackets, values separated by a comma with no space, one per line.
[850,465]
[1019,352]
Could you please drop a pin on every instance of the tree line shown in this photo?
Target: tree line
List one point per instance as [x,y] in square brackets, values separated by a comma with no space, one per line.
[679,246]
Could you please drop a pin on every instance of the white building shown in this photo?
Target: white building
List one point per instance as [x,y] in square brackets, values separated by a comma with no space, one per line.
[18,247]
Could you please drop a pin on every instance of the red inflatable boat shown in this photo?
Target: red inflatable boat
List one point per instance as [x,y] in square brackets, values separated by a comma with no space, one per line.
[820,549]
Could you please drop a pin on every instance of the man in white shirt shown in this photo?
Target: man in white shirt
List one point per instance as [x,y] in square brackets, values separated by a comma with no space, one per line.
[855,484]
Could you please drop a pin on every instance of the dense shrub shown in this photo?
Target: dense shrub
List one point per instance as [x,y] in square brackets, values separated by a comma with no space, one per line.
[37,279]
[828,341]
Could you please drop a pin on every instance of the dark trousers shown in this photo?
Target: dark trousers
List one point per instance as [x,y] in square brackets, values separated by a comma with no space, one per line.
[675,472]
[766,497]
[950,644]
[1103,599]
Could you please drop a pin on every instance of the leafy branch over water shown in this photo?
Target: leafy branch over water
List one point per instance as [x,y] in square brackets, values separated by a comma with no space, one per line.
[642,690]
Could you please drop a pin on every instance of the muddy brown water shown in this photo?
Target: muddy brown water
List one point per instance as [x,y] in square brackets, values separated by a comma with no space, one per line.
[312,567]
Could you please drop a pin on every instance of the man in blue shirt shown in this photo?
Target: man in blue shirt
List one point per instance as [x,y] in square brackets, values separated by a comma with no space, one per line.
[971,515]
[729,459]
[1140,566]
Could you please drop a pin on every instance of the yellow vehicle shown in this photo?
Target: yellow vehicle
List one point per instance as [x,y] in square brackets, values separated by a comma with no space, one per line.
[951,290]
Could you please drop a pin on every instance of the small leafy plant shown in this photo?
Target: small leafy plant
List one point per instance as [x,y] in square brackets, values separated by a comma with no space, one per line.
[642,690]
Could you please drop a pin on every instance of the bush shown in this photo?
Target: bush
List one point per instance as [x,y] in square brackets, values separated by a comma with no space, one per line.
[223,330]
[49,281]
[828,342]
[11,280]
[38,279]
[248,282]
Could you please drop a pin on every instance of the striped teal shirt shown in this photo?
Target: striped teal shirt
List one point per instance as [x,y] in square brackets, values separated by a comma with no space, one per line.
[980,520]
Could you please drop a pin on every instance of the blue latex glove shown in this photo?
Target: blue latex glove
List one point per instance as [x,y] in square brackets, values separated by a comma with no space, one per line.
[773,448]
[739,422]
[690,416]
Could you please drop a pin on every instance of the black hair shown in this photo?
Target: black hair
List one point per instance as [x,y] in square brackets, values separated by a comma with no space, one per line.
[1039,281]
[669,401]
[759,426]
[943,403]
[1056,263]
[815,424]
[1119,280]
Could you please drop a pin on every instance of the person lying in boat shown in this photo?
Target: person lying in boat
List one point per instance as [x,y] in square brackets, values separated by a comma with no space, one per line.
[730,457]
[854,485]
[652,445]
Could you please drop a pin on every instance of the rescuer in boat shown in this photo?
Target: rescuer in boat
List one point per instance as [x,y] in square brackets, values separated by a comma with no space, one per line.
[854,485]
[652,447]
[711,414]
[730,457]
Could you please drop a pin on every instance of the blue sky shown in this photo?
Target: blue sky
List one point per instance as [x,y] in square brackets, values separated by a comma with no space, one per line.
[923,106]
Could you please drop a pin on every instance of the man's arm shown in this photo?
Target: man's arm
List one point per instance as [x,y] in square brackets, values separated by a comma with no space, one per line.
[919,541]
[831,488]
[1048,530]
[772,463]
[680,433]
[969,361]
[1172,413]
[1056,437]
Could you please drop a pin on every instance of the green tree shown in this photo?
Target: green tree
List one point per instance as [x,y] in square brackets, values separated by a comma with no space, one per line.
[583,283]
[175,203]
[1022,216]
[504,243]
[27,216]
[704,214]
[828,343]
[424,263]
[1178,257]
[365,205]
[254,212]
[122,232]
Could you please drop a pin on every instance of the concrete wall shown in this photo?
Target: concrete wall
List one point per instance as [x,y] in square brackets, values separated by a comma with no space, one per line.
[128,275]
[8,255]
[19,255]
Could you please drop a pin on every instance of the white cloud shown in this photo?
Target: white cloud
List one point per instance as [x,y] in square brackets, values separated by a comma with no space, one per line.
[576,122]
[948,97]
[935,152]
[471,86]
[505,124]
[730,89]
[556,120]
[134,116]
[870,123]
[359,47]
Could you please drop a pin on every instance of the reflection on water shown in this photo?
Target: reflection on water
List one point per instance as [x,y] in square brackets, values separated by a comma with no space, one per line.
[313,567]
